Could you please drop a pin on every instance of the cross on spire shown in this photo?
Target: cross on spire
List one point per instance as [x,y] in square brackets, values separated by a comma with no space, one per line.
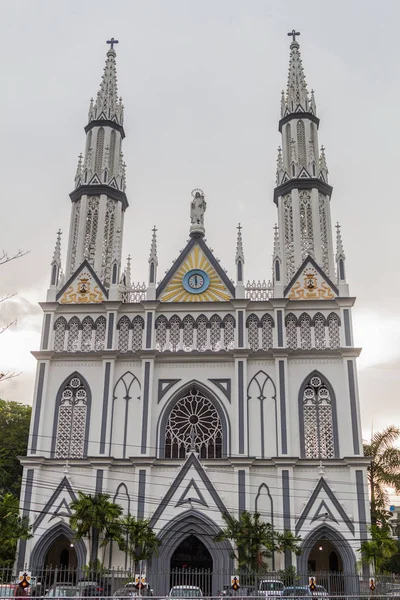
[293,33]
[112,42]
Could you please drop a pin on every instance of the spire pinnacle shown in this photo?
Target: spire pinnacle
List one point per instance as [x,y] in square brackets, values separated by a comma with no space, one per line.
[106,105]
[276,241]
[297,95]
[239,245]
[323,168]
[339,244]
[128,274]
[153,248]
[57,250]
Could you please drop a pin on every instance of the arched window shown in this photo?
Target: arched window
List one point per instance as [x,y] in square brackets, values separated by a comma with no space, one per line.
[334,332]
[75,233]
[88,141]
[123,326]
[87,327]
[215,332]
[317,418]
[267,324]
[301,144]
[100,335]
[229,332]
[175,333]
[59,334]
[73,334]
[193,424]
[71,420]
[188,324]
[111,157]
[305,331]
[252,332]
[306,224]
[323,224]
[98,161]
[291,331]
[201,324]
[137,333]
[92,221]
[108,241]
[319,331]
[288,143]
[289,236]
[161,333]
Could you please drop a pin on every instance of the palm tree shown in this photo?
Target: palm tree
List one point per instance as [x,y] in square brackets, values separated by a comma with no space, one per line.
[255,540]
[139,540]
[381,547]
[93,516]
[383,471]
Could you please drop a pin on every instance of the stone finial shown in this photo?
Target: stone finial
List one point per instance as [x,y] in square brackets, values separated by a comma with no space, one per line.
[239,245]
[107,103]
[57,250]
[153,247]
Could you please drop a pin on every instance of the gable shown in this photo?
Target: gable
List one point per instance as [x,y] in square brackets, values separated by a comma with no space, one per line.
[196,277]
[83,287]
[58,503]
[324,505]
[310,283]
[191,488]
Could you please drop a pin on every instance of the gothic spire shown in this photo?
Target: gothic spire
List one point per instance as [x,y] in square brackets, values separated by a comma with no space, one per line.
[107,105]
[56,262]
[340,256]
[239,259]
[297,99]
[128,274]
[323,167]
[153,262]
[153,247]
[276,253]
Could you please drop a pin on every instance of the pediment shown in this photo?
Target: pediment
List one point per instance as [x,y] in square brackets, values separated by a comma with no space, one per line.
[58,503]
[310,283]
[83,287]
[196,276]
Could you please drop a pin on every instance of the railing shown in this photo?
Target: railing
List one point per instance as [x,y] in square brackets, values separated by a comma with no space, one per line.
[137,292]
[259,291]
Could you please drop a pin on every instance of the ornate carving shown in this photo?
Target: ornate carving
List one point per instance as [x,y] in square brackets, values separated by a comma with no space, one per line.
[71,426]
[83,291]
[318,424]
[313,287]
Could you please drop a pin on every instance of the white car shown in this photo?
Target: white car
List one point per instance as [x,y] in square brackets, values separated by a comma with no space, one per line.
[270,587]
[185,592]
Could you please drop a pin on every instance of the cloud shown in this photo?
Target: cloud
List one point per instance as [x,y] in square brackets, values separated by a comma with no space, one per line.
[27,314]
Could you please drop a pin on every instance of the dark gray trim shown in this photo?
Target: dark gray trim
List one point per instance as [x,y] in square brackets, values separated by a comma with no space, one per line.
[342,272]
[98,490]
[323,485]
[127,397]
[98,189]
[99,481]
[316,373]
[309,259]
[145,416]
[104,416]
[302,184]
[261,397]
[168,383]
[84,265]
[64,485]
[271,516]
[211,258]
[38,408]
[192,461]
[347,328]
[174,532]
[219,406]
[298,116]
[353,406]
[149,325]
[323,512]
[105,123]
[62,510]
[42,546]
[286,512]
[57,406]
[240,329]
[242,490]
[224,385]
[110,331]
[141,493]
[184,499]
[25,513]
[46,331]
[241,406]
[362,499]
[282,398]
[279,322]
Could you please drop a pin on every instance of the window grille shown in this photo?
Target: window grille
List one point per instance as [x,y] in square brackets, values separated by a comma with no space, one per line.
[123,337]
[305,332]
[306,225]
[137,333]
[301,144]
[175,333]
[334,331]
[87,326]
[108,241]
[324,233]
[59,334]
[266,332]
[202,333]
[111,157]
[289,239]
[215,332]
[100,335]
[288,144]
[92,221]
[291,331]
[193,424]
[73,334]
[188,324]
[252,332]
[98,161]
[75,232]
[229,332]
[71,424]
[319,331]
[318,422]
[161,333]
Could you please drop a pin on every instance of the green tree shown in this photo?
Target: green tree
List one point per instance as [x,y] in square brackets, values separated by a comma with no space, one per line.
[379,548]
[12,528]
[139,540]
[255,540]
[383,471]
[14,432]
[93,517]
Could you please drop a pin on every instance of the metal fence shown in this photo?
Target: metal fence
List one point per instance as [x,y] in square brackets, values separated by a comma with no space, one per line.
[120,583]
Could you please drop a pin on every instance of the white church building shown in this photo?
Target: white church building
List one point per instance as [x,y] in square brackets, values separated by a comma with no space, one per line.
[199,395]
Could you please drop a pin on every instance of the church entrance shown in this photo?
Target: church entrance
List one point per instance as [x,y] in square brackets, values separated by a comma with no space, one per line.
[325,562]
[62,554]
[192,564]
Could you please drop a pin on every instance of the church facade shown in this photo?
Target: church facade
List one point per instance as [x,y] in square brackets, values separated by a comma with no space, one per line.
[197,395]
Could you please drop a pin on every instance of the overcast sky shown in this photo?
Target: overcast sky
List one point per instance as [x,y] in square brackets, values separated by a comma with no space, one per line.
[201,83]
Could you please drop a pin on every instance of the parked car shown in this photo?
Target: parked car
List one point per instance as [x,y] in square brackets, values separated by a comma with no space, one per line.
[64,590]
[320,591]
[144,591]
[185,592]
[7,590]
[270,587]
[303,591]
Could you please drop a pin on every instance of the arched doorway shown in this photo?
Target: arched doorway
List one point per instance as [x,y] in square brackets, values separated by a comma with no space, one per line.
[62,554]
[192,564]
[57,547]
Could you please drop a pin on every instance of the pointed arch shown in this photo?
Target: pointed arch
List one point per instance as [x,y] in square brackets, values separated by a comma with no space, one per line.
[319,323]
[334,330]
[253,324]
[305,331]
[291,331]
[201,325]
[339,541]
[175,326]
[71,418]
[126,401]
[319,436]
[42,546]
[301,143]
[123,327]
[122,498]
[267,323]
[60,327]
[98,161]
[188,327]
[215,332]
[288,143]
[209,395]
[137,333]
[161,332]
[262,388]
[229,324]
[87,328]
[100,335]
[73,327]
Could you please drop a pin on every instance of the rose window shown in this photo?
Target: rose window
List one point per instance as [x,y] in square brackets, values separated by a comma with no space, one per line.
[193,425]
